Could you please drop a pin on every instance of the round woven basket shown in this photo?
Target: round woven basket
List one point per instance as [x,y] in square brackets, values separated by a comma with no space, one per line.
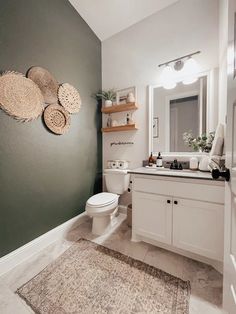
[20,97]
[56,118]
[46,82]
[69,98]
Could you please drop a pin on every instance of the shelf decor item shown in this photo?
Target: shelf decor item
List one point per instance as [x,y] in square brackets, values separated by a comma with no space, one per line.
[46,82]
[20,97]
[107,95]
[126,95]
[69,98]
[57,119]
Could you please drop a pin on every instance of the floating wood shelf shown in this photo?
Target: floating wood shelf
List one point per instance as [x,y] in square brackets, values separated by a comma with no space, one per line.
[119,108]
[128,127]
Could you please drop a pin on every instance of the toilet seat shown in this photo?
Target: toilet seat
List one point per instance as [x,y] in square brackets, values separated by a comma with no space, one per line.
[102,204]
[102,199]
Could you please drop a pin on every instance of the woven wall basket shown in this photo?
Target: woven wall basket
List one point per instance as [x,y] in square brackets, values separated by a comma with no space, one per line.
[57,119]
[69,98]
[46,82]
[20,97]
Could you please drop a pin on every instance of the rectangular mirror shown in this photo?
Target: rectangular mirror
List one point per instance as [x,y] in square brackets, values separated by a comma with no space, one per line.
[176,111]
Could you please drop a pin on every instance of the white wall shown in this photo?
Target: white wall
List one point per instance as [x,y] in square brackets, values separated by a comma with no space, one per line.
[223,46]
[132,57]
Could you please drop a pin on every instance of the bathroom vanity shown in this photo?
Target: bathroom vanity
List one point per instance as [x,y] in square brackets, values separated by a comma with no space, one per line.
[182,211]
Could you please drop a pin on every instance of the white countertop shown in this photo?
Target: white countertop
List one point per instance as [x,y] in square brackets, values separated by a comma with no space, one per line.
[185,173]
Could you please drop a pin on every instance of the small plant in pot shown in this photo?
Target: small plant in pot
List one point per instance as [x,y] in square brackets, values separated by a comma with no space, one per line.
[107,95]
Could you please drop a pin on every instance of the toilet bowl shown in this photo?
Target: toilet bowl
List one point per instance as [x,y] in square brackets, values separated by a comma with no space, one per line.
[100,207]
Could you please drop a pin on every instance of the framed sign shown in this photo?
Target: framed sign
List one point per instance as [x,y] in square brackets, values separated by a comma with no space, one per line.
[121,95]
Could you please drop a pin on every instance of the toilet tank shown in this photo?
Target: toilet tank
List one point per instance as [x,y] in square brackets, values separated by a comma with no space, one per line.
[117,180]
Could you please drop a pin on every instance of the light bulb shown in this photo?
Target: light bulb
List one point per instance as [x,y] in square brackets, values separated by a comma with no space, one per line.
[190,71]
[167,78]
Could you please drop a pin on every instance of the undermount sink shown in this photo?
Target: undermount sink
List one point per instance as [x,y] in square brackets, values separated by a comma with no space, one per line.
[168,169]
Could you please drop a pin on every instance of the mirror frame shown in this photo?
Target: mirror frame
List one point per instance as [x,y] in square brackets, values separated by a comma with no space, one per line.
[210,103]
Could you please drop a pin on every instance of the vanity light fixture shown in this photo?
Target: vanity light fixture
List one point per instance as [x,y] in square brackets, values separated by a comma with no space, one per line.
[190,71]
[167,77]
[182,68]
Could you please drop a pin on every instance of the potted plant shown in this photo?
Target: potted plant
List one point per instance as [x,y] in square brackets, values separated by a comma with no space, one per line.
[201,143]
[107,95]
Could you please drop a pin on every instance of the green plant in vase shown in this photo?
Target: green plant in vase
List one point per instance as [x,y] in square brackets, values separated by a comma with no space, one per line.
[107,95]
[202,143]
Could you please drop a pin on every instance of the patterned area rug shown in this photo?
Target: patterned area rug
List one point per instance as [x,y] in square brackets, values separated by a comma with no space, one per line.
[89,278]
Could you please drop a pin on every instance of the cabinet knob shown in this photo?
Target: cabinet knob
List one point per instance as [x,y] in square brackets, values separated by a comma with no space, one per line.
[176,202]
[168,201]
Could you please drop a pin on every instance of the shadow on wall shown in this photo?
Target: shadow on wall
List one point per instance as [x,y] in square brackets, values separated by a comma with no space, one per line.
[98,121]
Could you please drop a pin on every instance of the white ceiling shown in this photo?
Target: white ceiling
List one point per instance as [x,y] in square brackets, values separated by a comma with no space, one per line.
[108,17]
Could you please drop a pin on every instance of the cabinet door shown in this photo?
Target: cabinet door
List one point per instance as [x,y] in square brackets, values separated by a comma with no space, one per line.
[198,227]
[152,216]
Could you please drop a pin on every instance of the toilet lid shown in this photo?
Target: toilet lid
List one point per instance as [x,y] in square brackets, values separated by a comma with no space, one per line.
[102,199]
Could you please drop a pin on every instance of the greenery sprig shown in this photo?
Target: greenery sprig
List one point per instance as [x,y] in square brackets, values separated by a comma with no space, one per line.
[201,143]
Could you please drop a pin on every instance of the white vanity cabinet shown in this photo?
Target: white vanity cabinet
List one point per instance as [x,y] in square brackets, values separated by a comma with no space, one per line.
[179,214]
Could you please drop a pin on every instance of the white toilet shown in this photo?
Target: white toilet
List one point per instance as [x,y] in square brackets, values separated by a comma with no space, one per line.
[102,205]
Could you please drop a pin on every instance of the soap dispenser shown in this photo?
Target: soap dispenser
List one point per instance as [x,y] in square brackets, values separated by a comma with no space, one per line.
[159,160]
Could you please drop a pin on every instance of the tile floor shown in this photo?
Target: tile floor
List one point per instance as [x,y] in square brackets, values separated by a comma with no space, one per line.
[206,282]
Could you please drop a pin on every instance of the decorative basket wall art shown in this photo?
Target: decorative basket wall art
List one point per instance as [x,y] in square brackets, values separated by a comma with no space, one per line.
[69,98]
[46,82]
[20,97]
[56,118]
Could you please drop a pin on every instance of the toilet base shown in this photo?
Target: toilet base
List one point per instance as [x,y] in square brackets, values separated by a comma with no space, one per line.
[100,224]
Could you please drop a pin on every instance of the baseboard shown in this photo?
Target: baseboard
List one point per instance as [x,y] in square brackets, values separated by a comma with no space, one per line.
[33,247]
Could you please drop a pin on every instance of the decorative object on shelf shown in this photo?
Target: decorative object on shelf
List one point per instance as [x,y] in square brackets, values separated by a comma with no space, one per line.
[69,98]
[46,82]
[20,97]
[109,121]
[124,95]
[57,119]
[130,97]
[201,143]
[155,127]
[114,123]
[127,118]
[107,95]
[131,121]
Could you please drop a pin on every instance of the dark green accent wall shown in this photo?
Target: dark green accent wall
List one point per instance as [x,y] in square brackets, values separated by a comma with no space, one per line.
[45,179]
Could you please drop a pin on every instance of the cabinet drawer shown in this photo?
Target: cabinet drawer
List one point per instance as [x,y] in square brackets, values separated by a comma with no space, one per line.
[203,191]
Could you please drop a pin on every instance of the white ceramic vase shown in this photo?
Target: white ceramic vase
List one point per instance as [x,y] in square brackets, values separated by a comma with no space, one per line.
[108,103]
[204,163]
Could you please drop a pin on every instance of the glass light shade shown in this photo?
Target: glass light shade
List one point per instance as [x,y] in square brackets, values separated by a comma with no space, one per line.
[168,78]
[190,71]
